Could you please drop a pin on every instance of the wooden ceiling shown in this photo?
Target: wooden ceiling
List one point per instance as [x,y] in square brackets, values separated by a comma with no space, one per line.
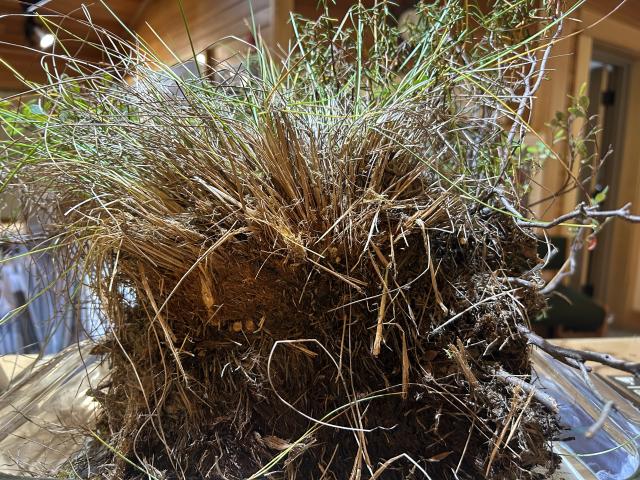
[16,50]
[69,15]
[627,11]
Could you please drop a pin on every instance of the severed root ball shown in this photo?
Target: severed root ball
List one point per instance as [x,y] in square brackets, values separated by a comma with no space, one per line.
[394,359]
[303,265]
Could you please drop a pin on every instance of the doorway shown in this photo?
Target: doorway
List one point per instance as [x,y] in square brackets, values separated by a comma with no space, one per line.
[607,91]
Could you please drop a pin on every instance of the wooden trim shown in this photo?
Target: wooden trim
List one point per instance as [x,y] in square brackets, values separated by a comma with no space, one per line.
[551,98]
[584,52]
[613,32]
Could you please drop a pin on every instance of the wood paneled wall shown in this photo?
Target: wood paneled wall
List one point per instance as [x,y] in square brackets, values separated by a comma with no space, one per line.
[28,61]
[337,8]
[209,21]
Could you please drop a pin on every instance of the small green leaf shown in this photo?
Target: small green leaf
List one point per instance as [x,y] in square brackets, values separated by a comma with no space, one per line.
[581,149]
[576,112]
[601,196]
[584,102]
[559,135]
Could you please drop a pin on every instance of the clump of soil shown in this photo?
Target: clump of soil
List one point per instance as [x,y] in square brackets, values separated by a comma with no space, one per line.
[288,361]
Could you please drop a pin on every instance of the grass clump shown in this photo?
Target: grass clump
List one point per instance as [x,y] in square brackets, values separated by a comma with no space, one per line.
[303,264]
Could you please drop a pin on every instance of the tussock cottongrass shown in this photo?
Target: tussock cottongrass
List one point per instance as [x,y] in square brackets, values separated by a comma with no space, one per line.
[302,261]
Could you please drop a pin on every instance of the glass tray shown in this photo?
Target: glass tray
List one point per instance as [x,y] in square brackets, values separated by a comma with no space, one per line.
[612,453]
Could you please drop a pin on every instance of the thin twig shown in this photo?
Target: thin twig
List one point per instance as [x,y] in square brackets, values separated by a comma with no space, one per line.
[569,266]
[579,355]
[582,212]
[542,397]
[604,414]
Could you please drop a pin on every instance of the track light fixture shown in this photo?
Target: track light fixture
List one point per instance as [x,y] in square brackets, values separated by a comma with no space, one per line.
[36,35]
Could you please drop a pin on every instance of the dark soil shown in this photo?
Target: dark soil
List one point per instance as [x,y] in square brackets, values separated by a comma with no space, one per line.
[431,396]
